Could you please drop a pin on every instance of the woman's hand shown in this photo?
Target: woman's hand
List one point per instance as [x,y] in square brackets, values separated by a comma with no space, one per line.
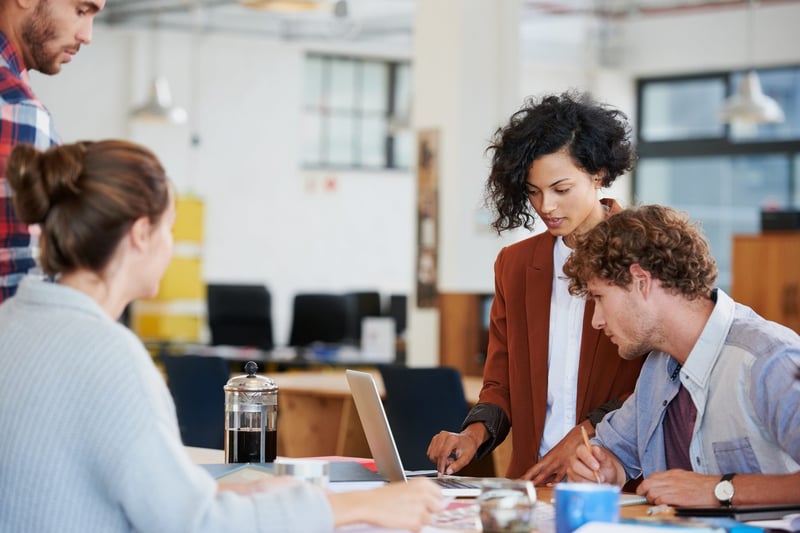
[453,451]
[552,468]
[398,505]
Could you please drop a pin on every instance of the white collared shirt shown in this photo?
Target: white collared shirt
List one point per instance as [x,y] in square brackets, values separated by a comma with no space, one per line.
[566,324]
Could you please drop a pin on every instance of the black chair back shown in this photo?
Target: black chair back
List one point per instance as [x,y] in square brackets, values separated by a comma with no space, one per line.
[318,318]
[240,315]
[397,310]
[359,306]
[196,384]
[420,402]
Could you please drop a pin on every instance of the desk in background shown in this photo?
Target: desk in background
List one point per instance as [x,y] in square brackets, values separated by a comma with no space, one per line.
[316,413]
[317,417]
[328,355]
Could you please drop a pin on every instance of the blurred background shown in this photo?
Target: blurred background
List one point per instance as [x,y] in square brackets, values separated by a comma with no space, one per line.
[291,129]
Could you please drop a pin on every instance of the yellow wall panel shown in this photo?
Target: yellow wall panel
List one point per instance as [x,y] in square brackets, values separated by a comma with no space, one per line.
[166,326]
[188,220]
[183,280]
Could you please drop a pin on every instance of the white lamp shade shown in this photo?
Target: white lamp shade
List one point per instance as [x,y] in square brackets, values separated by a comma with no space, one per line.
[750,104]
[159,105]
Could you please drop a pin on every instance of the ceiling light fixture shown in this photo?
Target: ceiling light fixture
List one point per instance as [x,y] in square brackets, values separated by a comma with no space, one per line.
[159,105]
[285,5]
[750,104]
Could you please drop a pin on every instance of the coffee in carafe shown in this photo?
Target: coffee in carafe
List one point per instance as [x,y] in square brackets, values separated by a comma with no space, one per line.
[251,418]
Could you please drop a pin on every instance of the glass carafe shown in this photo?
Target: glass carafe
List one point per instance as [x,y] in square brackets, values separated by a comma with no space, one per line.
[251,418]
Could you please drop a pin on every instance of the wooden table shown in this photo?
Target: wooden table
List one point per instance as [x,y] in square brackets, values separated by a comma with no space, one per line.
[317,416]
[543,494]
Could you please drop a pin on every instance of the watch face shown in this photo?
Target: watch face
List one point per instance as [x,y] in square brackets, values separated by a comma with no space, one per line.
[724,491]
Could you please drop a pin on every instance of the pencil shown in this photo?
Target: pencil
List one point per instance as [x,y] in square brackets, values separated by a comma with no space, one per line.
[589,447]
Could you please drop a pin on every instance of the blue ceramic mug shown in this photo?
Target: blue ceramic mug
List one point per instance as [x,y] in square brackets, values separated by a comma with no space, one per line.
[578,503]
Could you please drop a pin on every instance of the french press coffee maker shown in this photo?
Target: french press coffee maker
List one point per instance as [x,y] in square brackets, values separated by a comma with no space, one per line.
[251,418]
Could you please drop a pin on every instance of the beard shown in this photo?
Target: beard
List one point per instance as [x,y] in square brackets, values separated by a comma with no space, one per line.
[38,30]
[631,352]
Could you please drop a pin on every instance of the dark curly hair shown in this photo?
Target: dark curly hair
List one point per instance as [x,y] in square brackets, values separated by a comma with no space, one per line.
[662,240]
[597,138]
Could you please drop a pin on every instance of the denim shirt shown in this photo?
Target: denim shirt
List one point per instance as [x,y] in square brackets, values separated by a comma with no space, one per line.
[742,376]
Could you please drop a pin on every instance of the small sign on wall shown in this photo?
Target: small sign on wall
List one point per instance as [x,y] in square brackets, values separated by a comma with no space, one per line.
[427,218]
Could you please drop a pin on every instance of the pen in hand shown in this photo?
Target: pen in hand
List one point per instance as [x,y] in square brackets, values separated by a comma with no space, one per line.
[589,447]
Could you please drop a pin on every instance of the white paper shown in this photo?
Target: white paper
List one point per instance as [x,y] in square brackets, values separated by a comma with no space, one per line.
[790,522]
[378,339]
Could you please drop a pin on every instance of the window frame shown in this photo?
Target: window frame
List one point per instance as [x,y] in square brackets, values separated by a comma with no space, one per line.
[706,147]
[356,113]
[723,146]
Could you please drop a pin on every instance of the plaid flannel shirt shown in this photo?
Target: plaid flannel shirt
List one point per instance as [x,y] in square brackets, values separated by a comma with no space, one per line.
[23,119]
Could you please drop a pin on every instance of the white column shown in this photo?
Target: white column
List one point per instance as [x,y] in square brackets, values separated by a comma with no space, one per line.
[466,72]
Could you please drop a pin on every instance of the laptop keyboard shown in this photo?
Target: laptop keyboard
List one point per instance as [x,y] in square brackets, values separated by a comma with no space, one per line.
[455,483]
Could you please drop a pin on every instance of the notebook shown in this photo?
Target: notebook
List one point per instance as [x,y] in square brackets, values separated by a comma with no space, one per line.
[381,442]
[340,471]
[742,513]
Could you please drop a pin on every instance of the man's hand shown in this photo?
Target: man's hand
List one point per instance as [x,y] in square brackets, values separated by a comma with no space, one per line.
[585,464]
[453,451]
[680,488]
[552,468]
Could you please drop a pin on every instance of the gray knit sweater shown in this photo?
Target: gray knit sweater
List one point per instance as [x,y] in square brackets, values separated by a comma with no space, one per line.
[89,439]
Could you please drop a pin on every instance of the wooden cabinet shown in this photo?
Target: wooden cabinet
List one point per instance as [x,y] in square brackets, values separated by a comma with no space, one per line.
[463,330]
[766,275]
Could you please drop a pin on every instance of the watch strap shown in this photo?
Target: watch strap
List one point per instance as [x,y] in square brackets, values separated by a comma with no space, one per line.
[726,477]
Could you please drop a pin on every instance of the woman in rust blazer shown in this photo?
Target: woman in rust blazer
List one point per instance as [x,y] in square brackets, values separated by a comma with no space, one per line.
[549,162]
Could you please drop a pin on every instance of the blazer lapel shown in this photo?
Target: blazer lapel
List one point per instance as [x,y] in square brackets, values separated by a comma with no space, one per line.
[592,369]
[586,364]
[538,286]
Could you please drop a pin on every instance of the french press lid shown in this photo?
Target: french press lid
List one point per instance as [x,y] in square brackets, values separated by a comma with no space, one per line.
[251,382]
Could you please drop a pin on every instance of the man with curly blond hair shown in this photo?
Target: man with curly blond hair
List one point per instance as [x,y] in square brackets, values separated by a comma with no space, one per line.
[714,419]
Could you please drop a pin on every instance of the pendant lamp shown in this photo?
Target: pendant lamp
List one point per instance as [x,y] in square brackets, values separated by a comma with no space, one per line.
[284,5]
[158,106]
[749,104]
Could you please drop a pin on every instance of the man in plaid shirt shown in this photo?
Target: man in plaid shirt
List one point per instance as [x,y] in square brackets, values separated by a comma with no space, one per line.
[39,35]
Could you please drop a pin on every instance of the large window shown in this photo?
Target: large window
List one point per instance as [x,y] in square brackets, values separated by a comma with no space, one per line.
[356,113]
[722,175]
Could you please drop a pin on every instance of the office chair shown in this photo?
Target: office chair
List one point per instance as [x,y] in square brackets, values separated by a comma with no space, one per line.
[397,310]
[421,402]
[318,318]
[240,315]
[359,306]
[196,384]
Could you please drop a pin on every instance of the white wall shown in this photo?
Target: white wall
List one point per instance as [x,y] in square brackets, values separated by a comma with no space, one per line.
[266,220]
[561,53]
[712,40]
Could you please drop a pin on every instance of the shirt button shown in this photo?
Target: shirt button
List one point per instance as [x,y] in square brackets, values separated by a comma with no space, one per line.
[665,403]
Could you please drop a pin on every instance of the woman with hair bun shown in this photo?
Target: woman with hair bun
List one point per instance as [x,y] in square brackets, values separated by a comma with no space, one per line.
[90,436]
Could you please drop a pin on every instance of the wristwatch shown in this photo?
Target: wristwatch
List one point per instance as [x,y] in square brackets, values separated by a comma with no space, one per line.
[723,491]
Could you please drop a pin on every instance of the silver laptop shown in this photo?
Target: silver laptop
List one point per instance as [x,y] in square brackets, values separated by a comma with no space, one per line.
[381,442]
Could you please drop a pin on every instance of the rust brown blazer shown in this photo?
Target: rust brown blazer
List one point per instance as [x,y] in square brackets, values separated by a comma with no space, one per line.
[515,374]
